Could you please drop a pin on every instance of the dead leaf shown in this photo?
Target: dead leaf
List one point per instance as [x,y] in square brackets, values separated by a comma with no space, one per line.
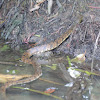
[8,78]
[79,59]
[50,90]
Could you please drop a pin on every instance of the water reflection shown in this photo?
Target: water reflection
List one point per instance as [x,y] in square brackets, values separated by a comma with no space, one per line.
[78,91]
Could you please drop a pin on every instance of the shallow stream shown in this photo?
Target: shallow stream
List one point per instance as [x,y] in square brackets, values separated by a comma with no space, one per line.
[82,89]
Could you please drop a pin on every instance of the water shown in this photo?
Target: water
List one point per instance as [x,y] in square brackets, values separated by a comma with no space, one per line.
[59,76]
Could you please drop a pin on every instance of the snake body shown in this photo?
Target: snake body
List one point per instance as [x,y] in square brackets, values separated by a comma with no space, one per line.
[38,49]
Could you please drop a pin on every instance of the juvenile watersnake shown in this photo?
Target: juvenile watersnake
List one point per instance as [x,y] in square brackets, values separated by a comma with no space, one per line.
[38,49]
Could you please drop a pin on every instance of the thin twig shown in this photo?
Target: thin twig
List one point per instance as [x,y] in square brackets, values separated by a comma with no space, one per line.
[7,63]
[10,63]
[95,47]
[40,92]
[94,7]
[73,7]
[42,79]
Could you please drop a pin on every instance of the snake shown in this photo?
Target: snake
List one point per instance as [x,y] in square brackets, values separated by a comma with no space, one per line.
[26,58]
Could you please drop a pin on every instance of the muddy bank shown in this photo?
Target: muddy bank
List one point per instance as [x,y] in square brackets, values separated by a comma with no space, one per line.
[20,26]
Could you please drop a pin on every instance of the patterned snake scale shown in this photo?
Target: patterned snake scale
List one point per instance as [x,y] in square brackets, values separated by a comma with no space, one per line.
[26,58]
